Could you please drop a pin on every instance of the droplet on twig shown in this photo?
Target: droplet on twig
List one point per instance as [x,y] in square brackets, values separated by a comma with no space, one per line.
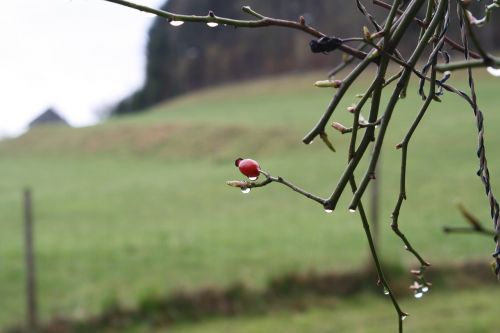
[328,210]
[176,23]
[212,24]
[493,71]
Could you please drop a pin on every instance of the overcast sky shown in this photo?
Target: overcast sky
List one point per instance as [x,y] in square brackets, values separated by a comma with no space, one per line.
[74,55]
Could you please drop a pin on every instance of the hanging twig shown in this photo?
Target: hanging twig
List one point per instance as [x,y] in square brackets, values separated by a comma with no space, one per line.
[475,225]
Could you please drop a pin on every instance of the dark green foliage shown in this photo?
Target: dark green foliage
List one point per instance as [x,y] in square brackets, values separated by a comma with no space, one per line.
[193,56]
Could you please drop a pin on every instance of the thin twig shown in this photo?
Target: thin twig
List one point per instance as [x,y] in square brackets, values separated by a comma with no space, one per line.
[378,83]
[422,24]
[475,225]
[270,179]
[464,64]
[262,21]
[369,175]
[483,171]
[387,288]
[469,230]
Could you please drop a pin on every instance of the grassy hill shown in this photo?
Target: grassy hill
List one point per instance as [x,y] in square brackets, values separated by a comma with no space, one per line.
[458,312]
[138,205]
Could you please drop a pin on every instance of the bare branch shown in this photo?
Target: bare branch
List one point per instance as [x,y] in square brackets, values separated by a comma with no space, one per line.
[270,179]
[475,225]
[262,21]
[422,24]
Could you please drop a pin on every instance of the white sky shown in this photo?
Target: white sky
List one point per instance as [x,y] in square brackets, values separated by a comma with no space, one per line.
[74,55]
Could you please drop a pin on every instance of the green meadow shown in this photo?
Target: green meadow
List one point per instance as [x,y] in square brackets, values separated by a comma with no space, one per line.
[451,311]
[138,205]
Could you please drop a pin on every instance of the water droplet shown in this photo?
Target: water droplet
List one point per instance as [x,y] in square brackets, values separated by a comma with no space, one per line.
[176,23]
[493,71]
[425,289]
[419,294]
[212,24]
[352,210]
[328,211]
[252,178]
[386,291]
[403,317]
[245,190]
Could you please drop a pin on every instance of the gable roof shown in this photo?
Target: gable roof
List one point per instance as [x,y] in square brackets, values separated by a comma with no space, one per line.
[49,116]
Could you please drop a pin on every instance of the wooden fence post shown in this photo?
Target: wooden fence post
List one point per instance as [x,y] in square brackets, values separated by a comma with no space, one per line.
[31,300]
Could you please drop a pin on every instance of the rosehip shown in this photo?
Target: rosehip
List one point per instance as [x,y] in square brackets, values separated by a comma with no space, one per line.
[248,167]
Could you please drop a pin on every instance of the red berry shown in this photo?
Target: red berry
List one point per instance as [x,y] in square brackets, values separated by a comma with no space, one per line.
[248,167]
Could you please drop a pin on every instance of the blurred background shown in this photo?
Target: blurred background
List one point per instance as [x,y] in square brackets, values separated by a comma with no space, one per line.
[125,129]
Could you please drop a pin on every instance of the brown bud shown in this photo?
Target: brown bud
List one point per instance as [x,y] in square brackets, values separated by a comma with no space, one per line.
[416,286]
[328,84]
[339,127]
[367,34]
[237,183]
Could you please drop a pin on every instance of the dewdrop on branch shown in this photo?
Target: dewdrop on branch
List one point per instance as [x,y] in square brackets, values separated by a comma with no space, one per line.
[212,24]
[175,23]
[417,289]
[493,71]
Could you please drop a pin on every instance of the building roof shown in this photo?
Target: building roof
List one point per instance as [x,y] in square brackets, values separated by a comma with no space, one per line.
[49,116]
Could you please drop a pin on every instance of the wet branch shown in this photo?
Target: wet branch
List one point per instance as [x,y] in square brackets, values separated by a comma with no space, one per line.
[475,226]
[243,185]
[262,21]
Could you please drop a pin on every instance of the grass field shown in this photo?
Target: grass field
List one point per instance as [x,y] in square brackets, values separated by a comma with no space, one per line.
[138,205]
[457,312]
